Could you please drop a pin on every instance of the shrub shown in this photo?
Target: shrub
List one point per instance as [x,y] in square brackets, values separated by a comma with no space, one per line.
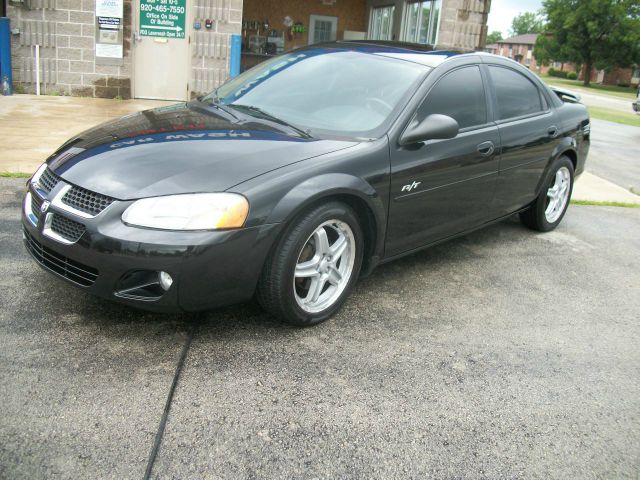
[572,76]
[557,73]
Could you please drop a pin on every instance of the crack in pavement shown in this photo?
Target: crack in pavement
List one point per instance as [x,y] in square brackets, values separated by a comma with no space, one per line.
[167,407]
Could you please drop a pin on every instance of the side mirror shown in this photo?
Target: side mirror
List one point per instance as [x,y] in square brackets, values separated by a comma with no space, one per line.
[434,126]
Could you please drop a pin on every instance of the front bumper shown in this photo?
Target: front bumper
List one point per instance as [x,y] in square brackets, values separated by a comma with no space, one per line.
[209,269]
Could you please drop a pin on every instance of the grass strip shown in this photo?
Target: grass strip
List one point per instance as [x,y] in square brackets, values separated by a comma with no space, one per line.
[15,174]
[605,203]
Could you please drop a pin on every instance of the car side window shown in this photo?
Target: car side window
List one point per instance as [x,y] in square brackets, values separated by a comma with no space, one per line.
[516,95]
[460,95]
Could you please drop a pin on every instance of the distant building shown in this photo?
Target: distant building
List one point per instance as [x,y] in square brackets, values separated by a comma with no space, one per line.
[518,48]
[491,48]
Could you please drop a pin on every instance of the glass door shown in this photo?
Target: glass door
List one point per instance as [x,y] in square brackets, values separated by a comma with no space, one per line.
[381,23]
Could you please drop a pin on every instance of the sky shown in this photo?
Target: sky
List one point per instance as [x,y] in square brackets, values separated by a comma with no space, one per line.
[503,11]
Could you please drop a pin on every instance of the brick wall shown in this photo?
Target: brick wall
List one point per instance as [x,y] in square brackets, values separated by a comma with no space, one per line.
[65,30]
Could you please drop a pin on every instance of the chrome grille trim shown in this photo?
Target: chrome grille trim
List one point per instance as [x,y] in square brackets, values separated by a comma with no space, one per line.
[73,271]
[87,201]
[48,180]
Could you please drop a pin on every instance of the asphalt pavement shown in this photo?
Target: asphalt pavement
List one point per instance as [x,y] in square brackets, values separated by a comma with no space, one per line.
[615,153]
[502,354]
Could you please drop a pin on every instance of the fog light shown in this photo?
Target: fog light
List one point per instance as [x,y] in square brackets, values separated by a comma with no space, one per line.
[165,280]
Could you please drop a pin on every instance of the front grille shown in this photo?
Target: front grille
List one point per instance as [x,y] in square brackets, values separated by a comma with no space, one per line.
[48,180]
[74,271]
[86,201]
[36,203]
[67,228]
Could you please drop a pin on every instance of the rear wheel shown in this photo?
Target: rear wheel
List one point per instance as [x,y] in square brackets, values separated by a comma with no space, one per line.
[310,273]
[547,211]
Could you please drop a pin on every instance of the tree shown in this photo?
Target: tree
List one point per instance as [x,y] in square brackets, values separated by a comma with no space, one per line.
[527,22]
[494,37]
[594,33]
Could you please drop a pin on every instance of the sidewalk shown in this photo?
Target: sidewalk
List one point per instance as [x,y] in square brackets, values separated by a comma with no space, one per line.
[33,127]
[593,188]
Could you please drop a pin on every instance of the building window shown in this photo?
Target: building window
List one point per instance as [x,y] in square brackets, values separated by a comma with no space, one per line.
[421,22]
[322,29]
[381,23]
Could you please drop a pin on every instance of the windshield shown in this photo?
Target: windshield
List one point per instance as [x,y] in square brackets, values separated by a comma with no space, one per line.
[340,92]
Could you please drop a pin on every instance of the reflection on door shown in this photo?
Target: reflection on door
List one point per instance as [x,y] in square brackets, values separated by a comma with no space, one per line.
[161,49]
[322,29]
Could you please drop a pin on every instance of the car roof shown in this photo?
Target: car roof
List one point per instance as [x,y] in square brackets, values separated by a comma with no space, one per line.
[412,52]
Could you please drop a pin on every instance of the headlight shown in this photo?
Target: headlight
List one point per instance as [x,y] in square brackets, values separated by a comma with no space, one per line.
[196,211]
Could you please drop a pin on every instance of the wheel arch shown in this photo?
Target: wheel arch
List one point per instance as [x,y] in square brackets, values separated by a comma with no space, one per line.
[352,190]
[564,148]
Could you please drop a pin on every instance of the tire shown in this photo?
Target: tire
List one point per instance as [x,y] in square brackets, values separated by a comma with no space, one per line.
[301,260]
[541,214]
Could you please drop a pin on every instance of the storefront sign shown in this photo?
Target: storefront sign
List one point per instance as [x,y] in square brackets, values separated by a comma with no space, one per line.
[162,18]
[105,50]
[109,23]
[109,8]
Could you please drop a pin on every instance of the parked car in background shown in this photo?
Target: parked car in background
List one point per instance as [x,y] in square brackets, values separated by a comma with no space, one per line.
[294,179]
[636,104]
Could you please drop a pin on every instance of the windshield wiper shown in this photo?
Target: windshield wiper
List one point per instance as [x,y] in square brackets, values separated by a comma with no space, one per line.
[215,103]
[267,116]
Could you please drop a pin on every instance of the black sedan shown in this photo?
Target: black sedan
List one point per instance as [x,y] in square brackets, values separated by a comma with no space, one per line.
[294,179]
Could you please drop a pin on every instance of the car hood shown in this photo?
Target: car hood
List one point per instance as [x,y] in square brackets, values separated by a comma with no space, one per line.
[183,148]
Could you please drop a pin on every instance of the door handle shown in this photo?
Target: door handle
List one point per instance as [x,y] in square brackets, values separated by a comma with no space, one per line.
[552,131]
[486,149]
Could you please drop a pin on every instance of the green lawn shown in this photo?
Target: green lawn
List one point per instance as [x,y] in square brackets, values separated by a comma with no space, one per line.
[616,116]
[620,92]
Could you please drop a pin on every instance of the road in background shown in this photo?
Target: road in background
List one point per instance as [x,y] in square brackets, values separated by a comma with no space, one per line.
[615,154]
[502,354]
[602,100]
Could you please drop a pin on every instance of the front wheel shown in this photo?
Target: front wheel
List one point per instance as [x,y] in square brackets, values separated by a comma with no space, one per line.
[546,212]
[310,273]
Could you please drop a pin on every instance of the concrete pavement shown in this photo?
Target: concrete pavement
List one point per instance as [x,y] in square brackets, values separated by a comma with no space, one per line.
[615,154]
[34,127]
[590,187]
[502,354]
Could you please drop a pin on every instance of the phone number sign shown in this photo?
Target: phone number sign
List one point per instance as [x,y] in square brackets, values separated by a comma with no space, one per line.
[162,18]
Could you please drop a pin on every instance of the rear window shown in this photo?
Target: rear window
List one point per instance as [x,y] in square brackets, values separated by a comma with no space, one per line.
[516,95]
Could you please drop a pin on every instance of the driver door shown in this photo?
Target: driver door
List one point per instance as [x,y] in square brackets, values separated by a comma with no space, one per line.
[443,187]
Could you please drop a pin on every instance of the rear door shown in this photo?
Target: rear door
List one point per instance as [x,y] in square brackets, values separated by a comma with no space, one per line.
[443,187]
[528,133]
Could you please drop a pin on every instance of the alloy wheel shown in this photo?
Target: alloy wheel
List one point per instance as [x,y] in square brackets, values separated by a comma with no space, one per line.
[324,266]
[558,195]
